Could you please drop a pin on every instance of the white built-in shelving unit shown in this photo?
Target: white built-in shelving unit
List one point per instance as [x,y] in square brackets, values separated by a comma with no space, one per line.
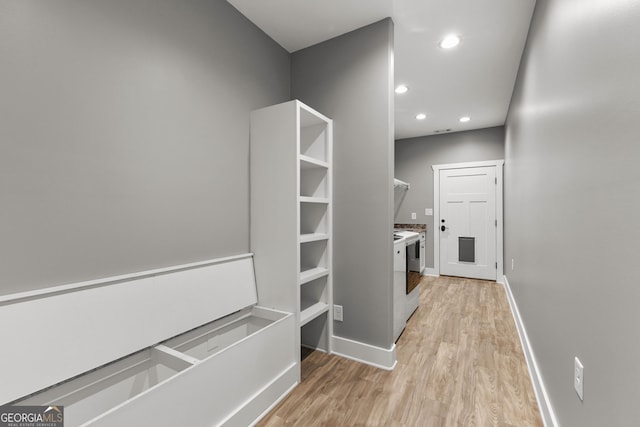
[291,223]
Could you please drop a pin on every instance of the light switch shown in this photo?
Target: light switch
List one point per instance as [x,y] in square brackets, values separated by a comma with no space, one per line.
[428,212]
[413,215]
[578,377]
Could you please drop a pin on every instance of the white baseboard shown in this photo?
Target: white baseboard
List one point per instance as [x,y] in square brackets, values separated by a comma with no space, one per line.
[430,272]
[258,406]
[360,352]
[546,410]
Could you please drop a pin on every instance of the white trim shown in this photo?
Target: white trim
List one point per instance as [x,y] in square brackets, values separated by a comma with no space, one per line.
[270,408]
[469,165]
[436,220]
[261,403]
[365,353]
[399,183]
[428,271]
[544,403]
[109,280]
[500,219]
[498,164]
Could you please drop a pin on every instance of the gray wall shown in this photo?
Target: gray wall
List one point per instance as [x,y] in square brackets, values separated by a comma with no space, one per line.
[414,158]
[124,132]
[350,79]
[571,200]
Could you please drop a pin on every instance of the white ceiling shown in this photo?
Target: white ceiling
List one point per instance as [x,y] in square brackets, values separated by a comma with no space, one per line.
[475,79]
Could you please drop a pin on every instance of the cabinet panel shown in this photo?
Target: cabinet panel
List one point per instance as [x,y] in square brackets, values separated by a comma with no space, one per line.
[423,251]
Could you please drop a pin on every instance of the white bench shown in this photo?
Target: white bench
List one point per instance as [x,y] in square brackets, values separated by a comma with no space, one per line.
[179,346]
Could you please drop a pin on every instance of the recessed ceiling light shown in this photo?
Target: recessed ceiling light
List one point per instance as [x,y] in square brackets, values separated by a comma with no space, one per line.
[465,119]
[401,89]
[450,41]
[421,116]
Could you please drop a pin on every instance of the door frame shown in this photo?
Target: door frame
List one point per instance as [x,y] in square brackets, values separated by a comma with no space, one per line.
[499,165]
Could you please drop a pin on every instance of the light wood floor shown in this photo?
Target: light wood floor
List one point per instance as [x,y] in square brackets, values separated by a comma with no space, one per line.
[460,363]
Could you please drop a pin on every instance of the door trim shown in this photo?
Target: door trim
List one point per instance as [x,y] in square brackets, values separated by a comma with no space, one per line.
[499,164]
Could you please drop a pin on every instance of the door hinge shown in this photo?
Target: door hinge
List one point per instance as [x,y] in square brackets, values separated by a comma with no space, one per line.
[496,265]
[496,222]
[496,180]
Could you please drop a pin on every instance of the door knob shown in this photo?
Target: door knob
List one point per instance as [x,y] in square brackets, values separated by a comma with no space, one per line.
[443,227]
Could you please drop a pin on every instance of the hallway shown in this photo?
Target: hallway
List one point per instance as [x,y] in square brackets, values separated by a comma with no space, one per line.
[459,363]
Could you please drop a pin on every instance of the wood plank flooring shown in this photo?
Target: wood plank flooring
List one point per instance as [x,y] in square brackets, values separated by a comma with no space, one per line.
[460,363]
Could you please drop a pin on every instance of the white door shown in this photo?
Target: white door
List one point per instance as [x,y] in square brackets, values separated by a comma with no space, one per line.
[468,222]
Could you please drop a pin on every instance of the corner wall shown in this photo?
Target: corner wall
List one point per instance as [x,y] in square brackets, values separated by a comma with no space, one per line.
[414,158]
[124,135]
[350,80]
[572,194]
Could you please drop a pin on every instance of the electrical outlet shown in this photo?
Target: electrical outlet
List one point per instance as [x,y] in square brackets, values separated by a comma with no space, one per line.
[413,215]
[578,378]
[337,312]
[512,264]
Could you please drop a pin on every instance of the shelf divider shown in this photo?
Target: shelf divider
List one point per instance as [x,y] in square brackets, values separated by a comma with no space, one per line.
[307,199]
[312,274]
[307,162]
[309,310]
[313,237]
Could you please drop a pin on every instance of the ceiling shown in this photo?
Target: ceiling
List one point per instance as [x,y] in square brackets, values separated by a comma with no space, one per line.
[474,79]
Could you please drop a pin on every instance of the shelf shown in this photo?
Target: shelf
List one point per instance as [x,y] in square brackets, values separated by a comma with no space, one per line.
[309,310]
[312,274]
[306,199]
[313,237]
[401,184]
[307,162]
